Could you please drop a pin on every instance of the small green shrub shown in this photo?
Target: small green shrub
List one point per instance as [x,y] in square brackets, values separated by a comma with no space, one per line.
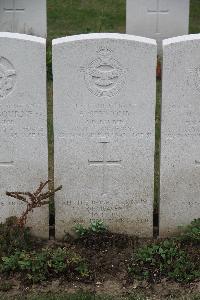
[81,230]
[191,233]
[164,259]
[14,237]
[96,226]
[44,264]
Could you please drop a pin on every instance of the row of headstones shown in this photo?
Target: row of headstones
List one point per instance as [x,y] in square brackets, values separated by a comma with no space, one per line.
[104,122]
[158,19]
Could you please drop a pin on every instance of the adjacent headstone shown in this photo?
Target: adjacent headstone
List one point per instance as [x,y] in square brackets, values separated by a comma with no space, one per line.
[24,16]
[23,130]
[104,103]
[180,138]
[157,19]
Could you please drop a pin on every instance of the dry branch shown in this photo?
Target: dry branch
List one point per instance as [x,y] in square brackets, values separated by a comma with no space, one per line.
[33,200]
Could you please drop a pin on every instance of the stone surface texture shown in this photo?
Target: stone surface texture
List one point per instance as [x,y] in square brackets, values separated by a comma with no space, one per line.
[23,130]
[180,137]
[24,16]
[157,19]
[104,103]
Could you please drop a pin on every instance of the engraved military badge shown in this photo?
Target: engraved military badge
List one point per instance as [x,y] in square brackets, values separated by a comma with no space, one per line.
[7,77]
[104,76]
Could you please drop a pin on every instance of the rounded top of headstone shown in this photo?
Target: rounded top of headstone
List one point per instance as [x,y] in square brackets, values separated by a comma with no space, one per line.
[96,36]
[182,38]
[24,37]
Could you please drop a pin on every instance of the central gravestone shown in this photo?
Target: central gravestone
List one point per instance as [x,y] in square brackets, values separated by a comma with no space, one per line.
[104,103]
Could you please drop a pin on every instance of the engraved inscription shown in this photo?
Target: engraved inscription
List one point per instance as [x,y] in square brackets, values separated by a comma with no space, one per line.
[7,77]
[104,163]
[104,119]
[158,12]
[197,78]
[21,121]
[13,9]
[107,210]
[104,76]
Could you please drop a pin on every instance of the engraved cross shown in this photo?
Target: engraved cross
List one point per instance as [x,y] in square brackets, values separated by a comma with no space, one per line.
[13,10]
[104,163]
[6,163]
[158,12]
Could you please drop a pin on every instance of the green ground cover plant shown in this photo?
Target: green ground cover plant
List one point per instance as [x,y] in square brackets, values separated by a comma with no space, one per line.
[95,227]
[191,233]
[164,259]
[43,264]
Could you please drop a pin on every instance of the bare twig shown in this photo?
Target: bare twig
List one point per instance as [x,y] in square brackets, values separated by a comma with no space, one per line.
[33,200]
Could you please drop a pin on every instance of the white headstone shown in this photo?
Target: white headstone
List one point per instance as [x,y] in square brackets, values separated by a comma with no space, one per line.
[24,16]
[23,130]
[104,103]
[157,19]
[180,143]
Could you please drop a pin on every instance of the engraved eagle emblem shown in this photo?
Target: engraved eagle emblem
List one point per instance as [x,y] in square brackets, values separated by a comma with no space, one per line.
[7,77]
[104,76]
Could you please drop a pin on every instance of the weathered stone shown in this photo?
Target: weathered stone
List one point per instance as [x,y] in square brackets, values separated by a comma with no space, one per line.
[157,19]
[180,143]
[24,16]
[104,103]
[23,132]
